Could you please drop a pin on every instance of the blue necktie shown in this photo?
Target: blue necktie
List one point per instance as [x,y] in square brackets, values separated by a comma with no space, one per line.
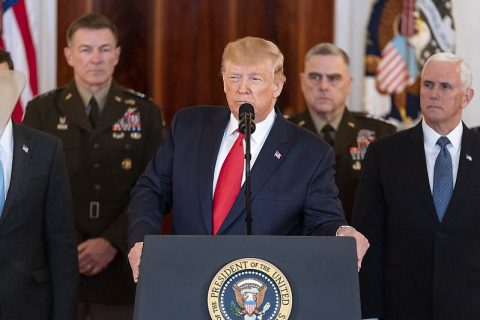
[2,189]
[442,178]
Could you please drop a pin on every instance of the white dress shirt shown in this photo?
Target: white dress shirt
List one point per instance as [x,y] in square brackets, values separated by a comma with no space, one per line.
[6,154]
[432,150]
[256,143]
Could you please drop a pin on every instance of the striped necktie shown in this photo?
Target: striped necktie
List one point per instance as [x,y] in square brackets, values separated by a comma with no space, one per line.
[442,178]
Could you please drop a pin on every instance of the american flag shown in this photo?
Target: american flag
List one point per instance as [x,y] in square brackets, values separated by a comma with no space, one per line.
[407,33]
[18,21]
[398,66]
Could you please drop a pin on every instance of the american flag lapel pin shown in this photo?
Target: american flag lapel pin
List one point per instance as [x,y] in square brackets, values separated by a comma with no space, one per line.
[25,148]
[277,155]
[469,157]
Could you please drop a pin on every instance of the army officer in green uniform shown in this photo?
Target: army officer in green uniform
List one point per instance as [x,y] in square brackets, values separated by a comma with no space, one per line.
[109,134]
[326,83]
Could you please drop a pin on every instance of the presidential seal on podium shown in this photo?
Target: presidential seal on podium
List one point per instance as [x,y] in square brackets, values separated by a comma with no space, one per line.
[249,289]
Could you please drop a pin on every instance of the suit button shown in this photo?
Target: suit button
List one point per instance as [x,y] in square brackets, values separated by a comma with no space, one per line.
[441,235]
[96,165]
[96,145]
[97,187]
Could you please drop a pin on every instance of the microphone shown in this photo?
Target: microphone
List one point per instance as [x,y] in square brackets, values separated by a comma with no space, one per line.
[246,115]
[247,127]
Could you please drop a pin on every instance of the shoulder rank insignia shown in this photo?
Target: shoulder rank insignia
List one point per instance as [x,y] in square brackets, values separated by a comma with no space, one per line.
[136,95]
[49,93]
[130,102]
[377,118]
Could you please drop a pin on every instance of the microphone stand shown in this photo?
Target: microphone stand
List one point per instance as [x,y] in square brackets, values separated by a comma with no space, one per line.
[248,187]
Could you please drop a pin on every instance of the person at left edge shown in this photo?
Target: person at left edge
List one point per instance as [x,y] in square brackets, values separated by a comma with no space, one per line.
[38,260]
[183,174]
[104,160]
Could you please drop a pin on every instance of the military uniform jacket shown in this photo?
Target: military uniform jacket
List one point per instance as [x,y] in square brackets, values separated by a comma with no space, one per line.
[103,164]
[354,133]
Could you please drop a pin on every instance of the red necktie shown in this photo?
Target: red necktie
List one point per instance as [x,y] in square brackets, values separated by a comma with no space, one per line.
[228,183]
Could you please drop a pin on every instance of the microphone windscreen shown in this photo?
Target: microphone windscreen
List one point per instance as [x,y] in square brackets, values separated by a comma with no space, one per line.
[246,108]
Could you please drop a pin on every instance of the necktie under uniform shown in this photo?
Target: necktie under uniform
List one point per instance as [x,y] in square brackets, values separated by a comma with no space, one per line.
[228,183]
[94,112]
[327,132]
[442,178]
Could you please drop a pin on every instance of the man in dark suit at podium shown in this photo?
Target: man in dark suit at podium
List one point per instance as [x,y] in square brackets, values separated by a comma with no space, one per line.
[191,166]
[417,203]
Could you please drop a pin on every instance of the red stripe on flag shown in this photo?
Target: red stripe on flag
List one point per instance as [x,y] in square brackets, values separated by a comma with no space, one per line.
[396,79]
[394,65]
[22,19]
[392,73]
[388,60]
[17,113]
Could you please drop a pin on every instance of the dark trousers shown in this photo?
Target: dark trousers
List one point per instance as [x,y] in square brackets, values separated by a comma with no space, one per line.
[96,311]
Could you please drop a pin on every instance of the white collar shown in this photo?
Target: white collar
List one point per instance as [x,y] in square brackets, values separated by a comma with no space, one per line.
[6,140]
[431,136]
[261,129]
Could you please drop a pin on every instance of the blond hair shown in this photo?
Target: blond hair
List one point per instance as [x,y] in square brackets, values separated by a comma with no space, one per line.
[251,50]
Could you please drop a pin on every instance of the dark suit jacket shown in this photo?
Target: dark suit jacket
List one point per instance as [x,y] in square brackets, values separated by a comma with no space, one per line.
[104,164]
[418,267]
[285,200]
[38,256]
[347,167]
[475,129]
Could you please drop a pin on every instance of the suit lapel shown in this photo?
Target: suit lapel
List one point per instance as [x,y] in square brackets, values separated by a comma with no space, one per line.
[273,152]
[465,173]
[71,104]
[418,164]
[20,163]
[115,107]
[346,133]
[212,135]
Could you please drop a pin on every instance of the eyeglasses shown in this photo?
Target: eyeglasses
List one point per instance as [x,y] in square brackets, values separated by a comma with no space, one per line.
[315,78]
